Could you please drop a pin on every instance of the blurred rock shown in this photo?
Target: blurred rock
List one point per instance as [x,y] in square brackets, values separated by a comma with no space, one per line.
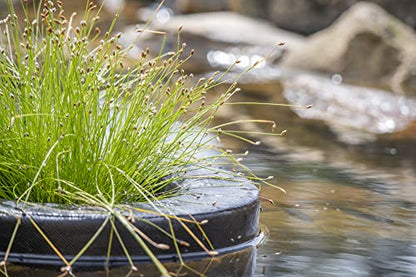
[300,16]
[406,135]
[355,114]
[365,44]
[113,5]
[220,38]
[3,8]
[198,6]
[257,9]
[305,16]
[309,16]
[251,8]
[405,10]
[231,28]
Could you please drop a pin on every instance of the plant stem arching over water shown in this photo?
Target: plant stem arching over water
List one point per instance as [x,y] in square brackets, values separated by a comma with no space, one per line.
[83,123]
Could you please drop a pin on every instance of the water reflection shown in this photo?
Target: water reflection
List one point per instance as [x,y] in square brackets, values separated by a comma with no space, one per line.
[334,223]
[237,264]
[225,59]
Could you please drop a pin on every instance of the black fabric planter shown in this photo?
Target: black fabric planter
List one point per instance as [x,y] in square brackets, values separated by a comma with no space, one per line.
[231,208]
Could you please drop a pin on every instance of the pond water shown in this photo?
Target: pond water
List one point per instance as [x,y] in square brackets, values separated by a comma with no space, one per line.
[349,210]
[336,218]
[333,222]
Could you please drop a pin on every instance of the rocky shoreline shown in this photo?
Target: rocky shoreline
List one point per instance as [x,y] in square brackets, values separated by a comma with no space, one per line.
[360,72]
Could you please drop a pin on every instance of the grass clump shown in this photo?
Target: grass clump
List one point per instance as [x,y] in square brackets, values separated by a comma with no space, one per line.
[75,118]
[81,122]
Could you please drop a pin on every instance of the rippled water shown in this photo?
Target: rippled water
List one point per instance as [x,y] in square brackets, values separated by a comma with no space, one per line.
[349,210]
[333,222]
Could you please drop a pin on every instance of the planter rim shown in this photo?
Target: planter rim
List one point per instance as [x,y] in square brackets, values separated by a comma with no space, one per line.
[206,193]
[230,204]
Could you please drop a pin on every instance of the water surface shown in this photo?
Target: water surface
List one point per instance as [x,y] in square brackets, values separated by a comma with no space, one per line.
[334,222]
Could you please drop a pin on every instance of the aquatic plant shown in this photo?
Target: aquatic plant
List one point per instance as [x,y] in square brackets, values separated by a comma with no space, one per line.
[74,117]
[81,122]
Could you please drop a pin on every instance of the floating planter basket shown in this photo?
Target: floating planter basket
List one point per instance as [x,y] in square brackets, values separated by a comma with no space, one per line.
[85,125]
[228,208]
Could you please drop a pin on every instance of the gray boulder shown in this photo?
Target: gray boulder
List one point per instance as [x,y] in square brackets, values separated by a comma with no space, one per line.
[365,44]
[251,8]
[305,16]
[229,27]
[220,38]
[3,9]
[309,16]
[300,16]
[197,6]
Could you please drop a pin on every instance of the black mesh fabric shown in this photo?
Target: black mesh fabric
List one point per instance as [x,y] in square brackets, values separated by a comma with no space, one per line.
[231,208]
